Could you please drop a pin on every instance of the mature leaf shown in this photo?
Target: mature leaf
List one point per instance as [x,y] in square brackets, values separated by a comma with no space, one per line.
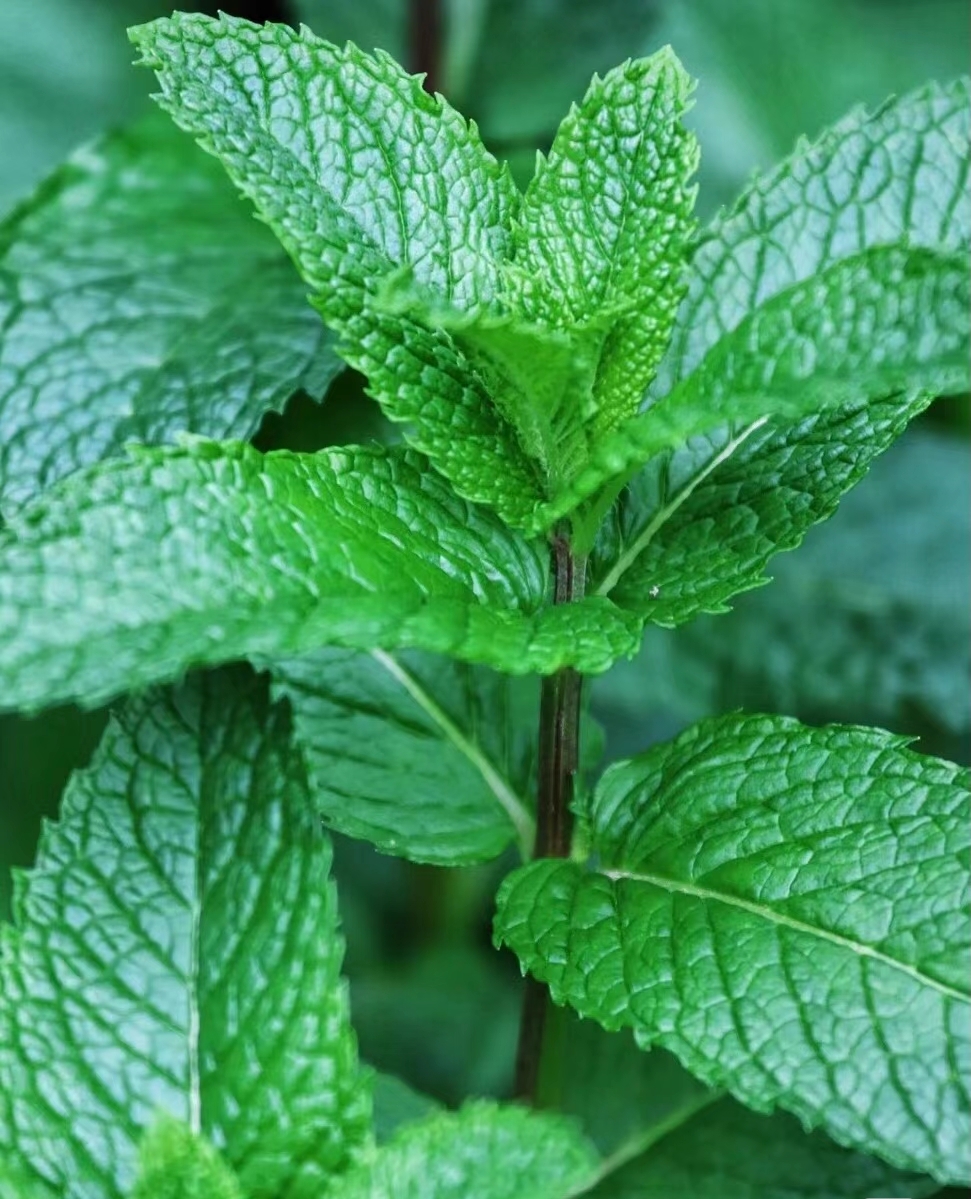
[482,1151]
[138,299]
[606,221]
[360,172]
[131,572]
[896,176]
[176,949]
[784,908]
[869,621]
[662,1133]
[176,1163]
[427,758]
[726,1152]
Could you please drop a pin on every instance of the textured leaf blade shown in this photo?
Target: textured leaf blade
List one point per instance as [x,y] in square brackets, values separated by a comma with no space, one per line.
[360,172]
[175,1163]
[482,1151]
[176,942]
[896,176]
[784,909]
[460,736]
[606,221]
[135,302]
[700,524]
[136,570]
[868,621]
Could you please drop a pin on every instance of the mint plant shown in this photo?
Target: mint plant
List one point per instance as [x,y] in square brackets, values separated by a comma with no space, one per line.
[607,420]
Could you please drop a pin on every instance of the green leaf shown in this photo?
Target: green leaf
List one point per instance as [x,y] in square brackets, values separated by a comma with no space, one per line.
[784,908]
[176,950]
[395,1104]
[726,1152]
[176,1163]
[360,172]
[133,571]
[877,201]
[606,221]
[481,1152]
[700,525]
[897,176]
[463,738]
[662,1133]
[867,622]
[138,299]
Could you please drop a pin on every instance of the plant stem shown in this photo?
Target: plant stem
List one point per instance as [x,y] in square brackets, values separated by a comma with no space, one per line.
[559,740]
[425,41]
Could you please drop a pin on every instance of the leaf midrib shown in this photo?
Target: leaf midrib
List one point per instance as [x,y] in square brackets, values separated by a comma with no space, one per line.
[510,802]
[770,916]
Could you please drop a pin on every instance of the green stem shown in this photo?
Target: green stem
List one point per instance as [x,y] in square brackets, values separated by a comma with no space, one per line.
[559,740]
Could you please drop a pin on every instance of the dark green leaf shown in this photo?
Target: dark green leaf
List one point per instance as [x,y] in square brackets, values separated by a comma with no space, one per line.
[395,1104]
[785,909]
[427,758]
[176,949]
[138,299]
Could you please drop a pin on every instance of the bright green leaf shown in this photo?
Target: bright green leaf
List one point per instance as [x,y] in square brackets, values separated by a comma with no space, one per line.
[606,221]
[138,299]
[425,757]
[897,176]
[360,172]
[700,525]
[807,350]
[176,1163]
[176,950]
[868,622]
[482,1151]
[133,571]
[785,909]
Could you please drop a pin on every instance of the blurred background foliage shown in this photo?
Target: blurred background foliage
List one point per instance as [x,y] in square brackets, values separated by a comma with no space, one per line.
[867,623]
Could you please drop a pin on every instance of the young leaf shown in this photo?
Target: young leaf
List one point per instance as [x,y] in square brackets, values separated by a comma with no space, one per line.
[460,737]
[482,1151]
[360,172]
[176,950]
[804,351]
[897,176]
[880,204]
[868,621]
[131,572]
[701,525]
[139,299]
[784,908]
[606,221]
[176,1163]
